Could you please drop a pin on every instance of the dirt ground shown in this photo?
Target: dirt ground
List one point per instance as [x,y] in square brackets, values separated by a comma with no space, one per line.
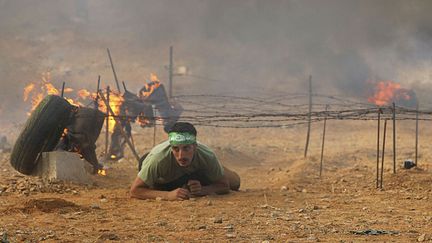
[281,199]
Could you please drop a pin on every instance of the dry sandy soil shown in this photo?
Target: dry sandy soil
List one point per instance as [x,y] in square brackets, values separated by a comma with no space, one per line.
[282,197]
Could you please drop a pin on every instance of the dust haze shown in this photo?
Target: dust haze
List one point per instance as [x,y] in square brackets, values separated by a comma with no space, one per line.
[246,47]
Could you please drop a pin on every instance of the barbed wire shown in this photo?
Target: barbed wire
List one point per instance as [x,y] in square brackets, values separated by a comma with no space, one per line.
[284,111]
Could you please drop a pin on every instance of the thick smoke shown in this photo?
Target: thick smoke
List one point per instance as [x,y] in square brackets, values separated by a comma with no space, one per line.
[240,47]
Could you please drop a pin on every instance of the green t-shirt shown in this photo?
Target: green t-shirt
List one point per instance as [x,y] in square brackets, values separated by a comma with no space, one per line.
[161,167]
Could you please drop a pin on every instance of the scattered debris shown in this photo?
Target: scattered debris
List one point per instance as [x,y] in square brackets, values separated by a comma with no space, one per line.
[408,164]
[4,238]
[108,236]
[217,220]
[19,184]
[421,238]
[202,227]
[374,232]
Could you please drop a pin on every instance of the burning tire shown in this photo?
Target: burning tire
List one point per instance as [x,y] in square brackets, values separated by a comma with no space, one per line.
[41,132]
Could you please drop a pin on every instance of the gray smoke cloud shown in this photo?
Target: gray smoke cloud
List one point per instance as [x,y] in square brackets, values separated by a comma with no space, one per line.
[240,47]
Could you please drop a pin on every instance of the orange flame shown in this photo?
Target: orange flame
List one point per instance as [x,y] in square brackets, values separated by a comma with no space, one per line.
[83,94]
[102,172]
[27,90]
[388,91]
[115,101]
[36,91]
[150,87]
[50,89]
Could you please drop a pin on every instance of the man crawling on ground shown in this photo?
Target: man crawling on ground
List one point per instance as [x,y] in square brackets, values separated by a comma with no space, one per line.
[181,167]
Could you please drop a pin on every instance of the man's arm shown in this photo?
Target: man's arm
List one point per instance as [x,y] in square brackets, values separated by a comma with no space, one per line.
[140,190]
[220,186]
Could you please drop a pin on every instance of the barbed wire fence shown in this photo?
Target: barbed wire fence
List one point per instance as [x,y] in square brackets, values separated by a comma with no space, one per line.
[283,111]
[291,110]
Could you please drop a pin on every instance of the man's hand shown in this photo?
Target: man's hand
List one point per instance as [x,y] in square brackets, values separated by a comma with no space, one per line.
[195,187]
[178,194]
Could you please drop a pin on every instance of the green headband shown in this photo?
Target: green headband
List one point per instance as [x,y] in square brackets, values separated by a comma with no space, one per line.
[176,138]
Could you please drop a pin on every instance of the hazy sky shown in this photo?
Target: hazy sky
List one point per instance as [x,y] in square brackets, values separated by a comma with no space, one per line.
[243,46]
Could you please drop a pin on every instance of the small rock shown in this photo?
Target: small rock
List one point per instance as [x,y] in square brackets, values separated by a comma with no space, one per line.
[158,199]
[104,200]
[202,227]
[283,188]
[217,220]
[108,236]
[364,208]
[312,238]
[161,223]
[421,238]
[229,227]
[304,191]
[230,236]
[209,203]
[94,206]
[301,210]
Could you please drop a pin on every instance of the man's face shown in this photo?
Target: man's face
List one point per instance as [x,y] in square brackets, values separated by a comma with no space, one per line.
[184,153]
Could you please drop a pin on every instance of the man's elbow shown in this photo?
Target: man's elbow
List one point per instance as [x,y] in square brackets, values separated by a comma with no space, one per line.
[224,189]
[137,192]
[133,193]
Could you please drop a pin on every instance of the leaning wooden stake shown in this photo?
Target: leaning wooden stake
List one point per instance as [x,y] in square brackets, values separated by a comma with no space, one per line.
[117,119]
[417,132]
[323,140]
[383,152]
[96,100]
[378,149]
[309,116]
[62,90]
[114,72]
[107,103]
[394,138]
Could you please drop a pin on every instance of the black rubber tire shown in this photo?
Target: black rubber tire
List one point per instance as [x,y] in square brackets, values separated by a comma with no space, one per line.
[41,132]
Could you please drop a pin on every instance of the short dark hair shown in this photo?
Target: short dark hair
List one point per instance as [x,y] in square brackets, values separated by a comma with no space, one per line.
[183,127]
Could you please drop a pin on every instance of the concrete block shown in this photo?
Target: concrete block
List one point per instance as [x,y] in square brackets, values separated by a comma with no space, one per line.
[64,166]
